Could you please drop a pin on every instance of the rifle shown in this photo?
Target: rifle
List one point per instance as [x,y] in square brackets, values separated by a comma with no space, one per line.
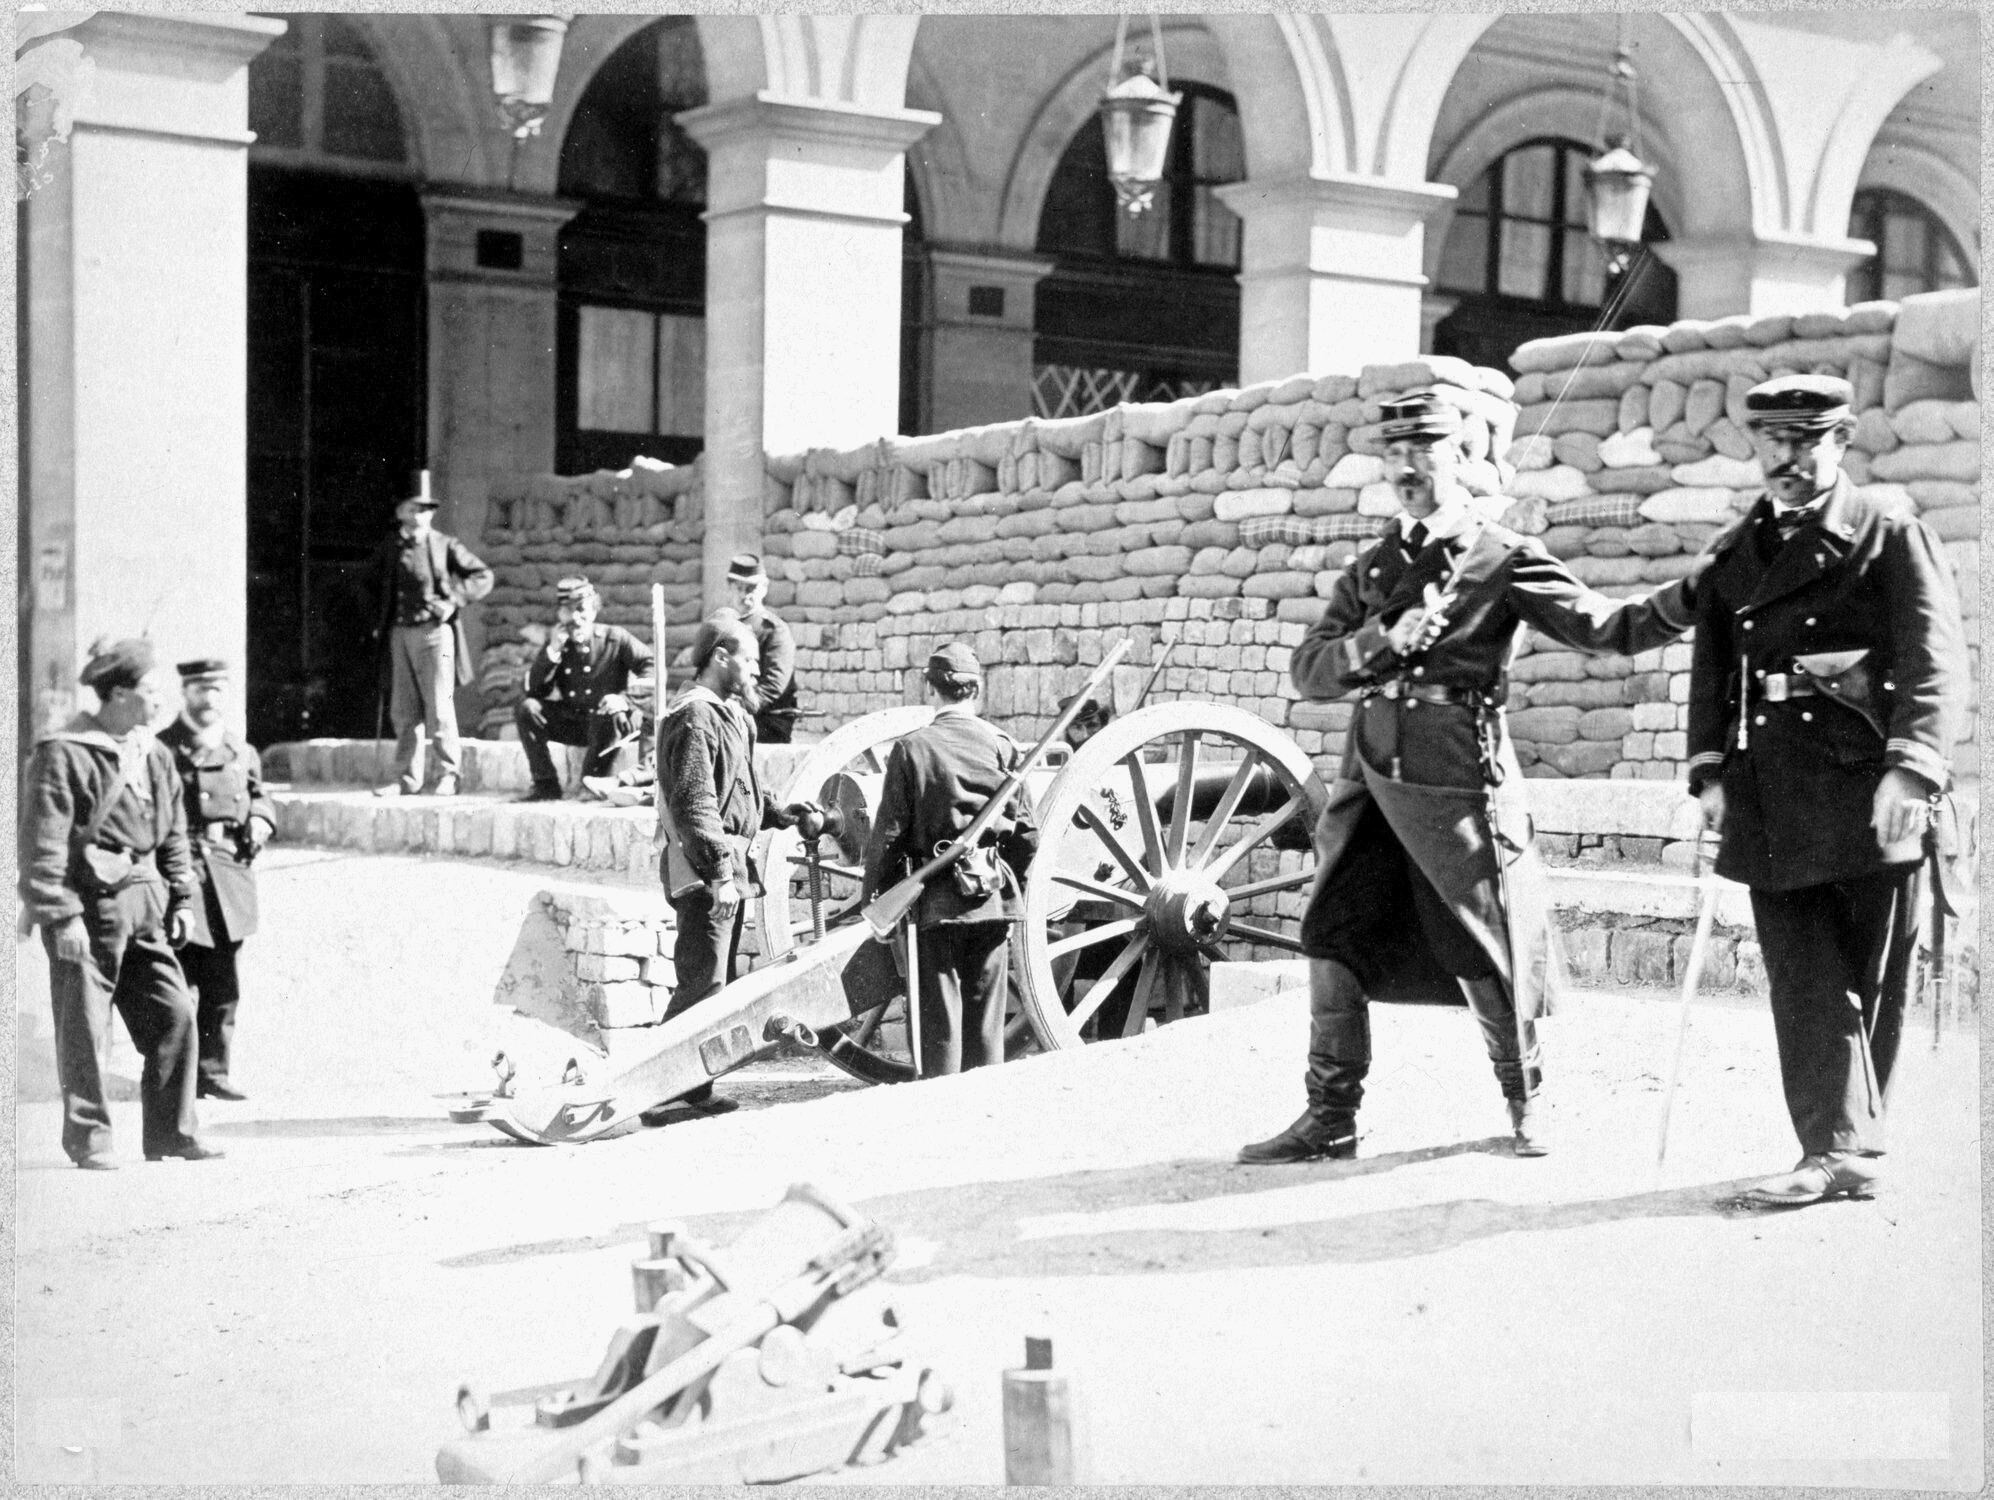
[885,912]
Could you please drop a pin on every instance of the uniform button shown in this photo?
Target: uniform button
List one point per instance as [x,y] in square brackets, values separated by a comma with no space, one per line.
[1374,573]
[1760,673]
[1810,619]
[1748,624]
[1412,703]
[1419,671]
[1806,718]
[1760,719]
[1890,687]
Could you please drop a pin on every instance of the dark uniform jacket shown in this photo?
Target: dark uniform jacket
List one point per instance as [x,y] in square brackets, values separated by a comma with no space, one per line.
[67,779]
[428,582]
[1866,599]
[223,787]
[775,688]
[1421,763]
[582,679]
[710,802]
[937,780]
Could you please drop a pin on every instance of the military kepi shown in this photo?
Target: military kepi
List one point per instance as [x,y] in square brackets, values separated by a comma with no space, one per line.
[201,668]
[574,590]
[955,664]
[1418,417]
[1806,403]
[746,567]
[116,664]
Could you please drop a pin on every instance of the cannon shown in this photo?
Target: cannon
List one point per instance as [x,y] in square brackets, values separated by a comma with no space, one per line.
[778,1357]
[1176,837]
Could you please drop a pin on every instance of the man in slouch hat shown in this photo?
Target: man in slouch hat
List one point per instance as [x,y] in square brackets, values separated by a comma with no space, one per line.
[229,820]
[937,780]
[1828,684]
[106,876]
[577,692]
[1427,886]
[771,697]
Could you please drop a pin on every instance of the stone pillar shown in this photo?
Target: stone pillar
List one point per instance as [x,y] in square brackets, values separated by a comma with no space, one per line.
[135,262]
[1435,308]
[1762,274]
[980,342]
[802,291]
[1330,276]
[492,262]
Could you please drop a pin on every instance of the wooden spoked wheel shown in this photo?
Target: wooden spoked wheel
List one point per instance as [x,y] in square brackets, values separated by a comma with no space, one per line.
[1175,837]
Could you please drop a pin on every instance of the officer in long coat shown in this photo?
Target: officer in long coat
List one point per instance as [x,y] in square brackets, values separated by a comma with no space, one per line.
[105,875]
[229,820]
[1827,687]
[1427,885]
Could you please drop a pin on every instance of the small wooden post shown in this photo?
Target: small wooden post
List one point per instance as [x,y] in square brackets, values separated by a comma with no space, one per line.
[1042,1441]
[658,644]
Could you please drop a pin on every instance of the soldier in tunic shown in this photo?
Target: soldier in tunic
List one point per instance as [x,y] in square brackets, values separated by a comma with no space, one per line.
[106,876]
[1427,885]
[577,693]
[710,804]
[771,697]
[937,780]
[229,820]
[1828,685]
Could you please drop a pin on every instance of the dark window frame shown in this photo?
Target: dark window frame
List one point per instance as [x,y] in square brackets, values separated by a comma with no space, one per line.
[304,46]
[1870,212]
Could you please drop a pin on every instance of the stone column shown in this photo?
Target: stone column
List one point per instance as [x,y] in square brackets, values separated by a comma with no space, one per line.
[135,263]
[1761,274]
[980,343]
[1330,276]
[492,262]
[802,291]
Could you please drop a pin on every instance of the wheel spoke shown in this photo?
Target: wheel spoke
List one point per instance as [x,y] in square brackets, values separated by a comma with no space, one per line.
[1097,994]
[1264,935]
[1089,816]
[1270,885]
[1288,813]
[1180,815]
[1091,936]
[1121,895]
[1145,812]
[1228,804]
[1145,990]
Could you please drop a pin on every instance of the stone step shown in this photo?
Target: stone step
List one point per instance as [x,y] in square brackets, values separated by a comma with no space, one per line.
[485,765]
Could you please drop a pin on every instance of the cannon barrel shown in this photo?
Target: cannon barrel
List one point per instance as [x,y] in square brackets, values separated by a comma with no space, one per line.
[1263,794]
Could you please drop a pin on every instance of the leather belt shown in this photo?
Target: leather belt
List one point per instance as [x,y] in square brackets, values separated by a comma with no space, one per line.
[1428,692]
[1777,687]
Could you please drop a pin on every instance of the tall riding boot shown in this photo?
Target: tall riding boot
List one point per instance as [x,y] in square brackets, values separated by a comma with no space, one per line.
[1518,1059]
[1339,1058]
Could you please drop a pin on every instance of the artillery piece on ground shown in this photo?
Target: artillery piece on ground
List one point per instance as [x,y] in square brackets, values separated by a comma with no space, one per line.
[778,1357]
[1177,836]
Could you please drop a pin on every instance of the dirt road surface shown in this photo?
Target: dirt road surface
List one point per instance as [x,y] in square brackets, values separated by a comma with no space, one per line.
[1437,1311]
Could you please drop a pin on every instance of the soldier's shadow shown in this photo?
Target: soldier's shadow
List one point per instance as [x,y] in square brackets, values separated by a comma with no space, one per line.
[35,1078]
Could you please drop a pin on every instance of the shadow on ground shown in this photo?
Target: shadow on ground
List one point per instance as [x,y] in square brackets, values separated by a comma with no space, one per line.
[974,1226]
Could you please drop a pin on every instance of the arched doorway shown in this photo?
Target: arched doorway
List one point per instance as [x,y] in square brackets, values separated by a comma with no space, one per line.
[1519,264]
[631,356]
[1143,308]
[337,369]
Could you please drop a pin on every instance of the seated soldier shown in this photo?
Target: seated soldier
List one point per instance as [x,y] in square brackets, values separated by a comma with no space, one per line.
[577,693]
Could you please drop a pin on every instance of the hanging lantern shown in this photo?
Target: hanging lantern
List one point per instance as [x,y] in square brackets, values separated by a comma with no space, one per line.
[1136,115]
[526,55]
[1617,186]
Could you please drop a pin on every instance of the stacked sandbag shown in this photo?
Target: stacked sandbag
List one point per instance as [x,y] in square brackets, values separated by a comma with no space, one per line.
[624,530]
[502,679]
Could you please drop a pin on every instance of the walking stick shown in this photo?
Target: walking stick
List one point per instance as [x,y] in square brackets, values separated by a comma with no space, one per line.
[380,701]
[1706,914]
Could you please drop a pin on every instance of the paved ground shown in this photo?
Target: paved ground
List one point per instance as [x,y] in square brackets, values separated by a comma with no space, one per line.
[1435,1312]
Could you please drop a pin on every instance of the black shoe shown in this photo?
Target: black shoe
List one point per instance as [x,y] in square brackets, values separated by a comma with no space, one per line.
[210,1089]
[1308,1139]
[192,1151]
[96,1161]
[541,791]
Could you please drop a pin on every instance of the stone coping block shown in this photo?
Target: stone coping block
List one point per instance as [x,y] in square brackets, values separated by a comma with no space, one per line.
[487,765]
[1644,809]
